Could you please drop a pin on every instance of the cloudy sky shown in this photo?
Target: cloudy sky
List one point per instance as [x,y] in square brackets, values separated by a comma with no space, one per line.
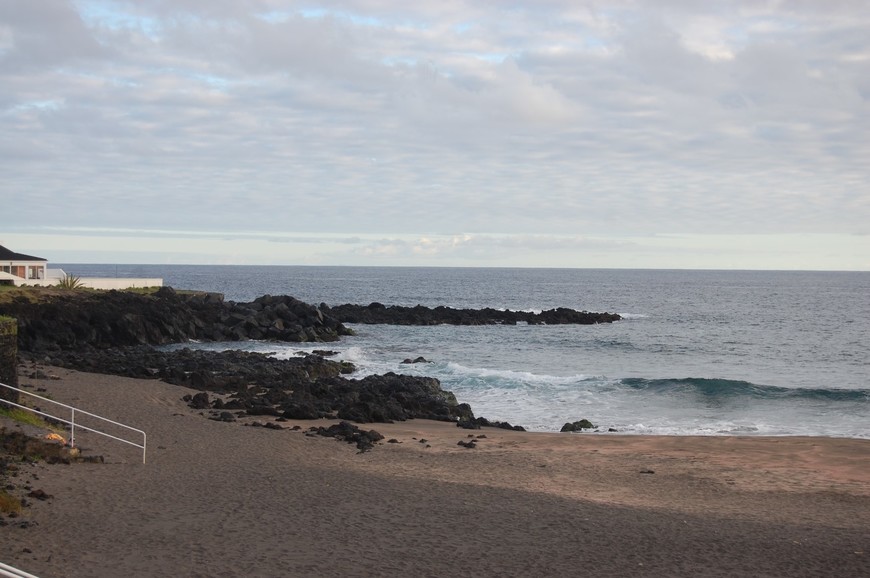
[566,133]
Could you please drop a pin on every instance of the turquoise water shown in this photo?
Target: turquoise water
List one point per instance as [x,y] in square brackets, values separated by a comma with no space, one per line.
[699,352]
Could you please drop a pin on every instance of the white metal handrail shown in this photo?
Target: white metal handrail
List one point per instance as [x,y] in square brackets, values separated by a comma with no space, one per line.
[72,421]
[7,570]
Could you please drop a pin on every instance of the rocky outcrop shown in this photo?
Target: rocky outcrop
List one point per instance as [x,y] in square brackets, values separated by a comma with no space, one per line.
[479,422]
[218,372]
[71,320]
[51,320]
[344,431]
[114,332]
[377,313]
[372,399]
[309,387]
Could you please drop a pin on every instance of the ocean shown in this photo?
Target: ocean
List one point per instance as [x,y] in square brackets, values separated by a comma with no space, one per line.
[697,353]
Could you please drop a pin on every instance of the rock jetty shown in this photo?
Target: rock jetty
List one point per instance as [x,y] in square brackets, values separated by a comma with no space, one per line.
[377,313]
[52,320]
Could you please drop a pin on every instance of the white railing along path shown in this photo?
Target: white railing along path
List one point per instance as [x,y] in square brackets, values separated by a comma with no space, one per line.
[72,420]
[7,570]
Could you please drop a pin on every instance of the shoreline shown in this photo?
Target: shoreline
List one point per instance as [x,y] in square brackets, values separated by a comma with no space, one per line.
[121,334]
[223,499]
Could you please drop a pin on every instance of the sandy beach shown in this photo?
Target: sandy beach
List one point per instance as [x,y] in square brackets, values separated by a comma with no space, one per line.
[223,499]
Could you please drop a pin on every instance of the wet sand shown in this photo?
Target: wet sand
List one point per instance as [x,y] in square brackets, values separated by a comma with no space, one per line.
[222,499]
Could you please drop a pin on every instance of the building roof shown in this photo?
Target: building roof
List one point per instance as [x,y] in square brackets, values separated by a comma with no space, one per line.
[7,255]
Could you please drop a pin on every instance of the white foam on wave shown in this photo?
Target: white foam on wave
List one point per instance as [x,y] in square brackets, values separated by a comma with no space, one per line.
[367,362]
[543,402]
[537,402]
[511,376]
[354,355]
[287,353]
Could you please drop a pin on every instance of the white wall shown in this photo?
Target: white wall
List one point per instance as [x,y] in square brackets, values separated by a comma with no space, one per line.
[120,282]
[54,276]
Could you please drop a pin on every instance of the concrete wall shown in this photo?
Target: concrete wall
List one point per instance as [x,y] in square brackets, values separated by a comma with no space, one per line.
[9,357]
[120,282]
[54,276]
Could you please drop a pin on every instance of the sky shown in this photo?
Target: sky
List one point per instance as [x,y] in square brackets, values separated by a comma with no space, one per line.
[548,133]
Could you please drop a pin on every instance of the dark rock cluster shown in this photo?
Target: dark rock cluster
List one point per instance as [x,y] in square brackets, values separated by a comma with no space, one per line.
[372,399]
[377,313]
[479,422]
[101,319]
[114,332]
[216,371]
[308,387]
[344,431]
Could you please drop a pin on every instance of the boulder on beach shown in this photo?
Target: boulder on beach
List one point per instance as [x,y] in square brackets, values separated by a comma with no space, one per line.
[581,425]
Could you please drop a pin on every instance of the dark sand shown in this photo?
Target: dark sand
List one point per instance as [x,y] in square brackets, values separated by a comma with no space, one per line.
[221,499]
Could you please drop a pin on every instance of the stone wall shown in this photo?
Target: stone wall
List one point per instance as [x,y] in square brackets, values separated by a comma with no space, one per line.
[9,357]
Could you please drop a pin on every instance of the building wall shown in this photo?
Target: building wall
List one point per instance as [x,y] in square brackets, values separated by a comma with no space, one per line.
[95,282]
[35,271]
[29,272]
[120,282]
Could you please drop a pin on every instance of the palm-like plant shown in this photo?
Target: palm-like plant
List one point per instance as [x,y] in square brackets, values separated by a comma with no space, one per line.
[69,281]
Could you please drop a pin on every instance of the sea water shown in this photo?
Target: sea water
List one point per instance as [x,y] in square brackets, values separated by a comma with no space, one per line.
[698,352]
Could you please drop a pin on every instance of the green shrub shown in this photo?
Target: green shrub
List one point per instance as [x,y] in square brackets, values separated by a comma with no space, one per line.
[23,416]
[9,504]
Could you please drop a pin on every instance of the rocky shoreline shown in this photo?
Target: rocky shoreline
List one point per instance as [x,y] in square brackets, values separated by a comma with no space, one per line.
[52,320]
[118,333]
[377,313]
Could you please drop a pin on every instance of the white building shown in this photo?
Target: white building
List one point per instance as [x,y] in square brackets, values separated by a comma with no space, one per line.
[19,269]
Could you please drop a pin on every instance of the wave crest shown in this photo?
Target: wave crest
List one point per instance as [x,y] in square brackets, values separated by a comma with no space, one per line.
[731,388]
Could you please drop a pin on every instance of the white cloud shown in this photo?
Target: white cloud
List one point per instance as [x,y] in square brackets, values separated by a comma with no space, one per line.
[407,120]
[700,251]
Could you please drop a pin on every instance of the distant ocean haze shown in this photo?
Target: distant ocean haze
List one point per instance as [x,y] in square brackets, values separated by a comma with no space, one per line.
[698,352]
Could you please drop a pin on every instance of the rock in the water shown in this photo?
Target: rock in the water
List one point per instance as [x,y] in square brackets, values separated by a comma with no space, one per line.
[577,426]
[420,315]
[483,422]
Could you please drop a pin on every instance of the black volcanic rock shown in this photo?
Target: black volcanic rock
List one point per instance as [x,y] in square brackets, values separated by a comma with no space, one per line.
[377,313]
[580,425]
[364,440]
[114,332]
[51,320]
[309,387]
